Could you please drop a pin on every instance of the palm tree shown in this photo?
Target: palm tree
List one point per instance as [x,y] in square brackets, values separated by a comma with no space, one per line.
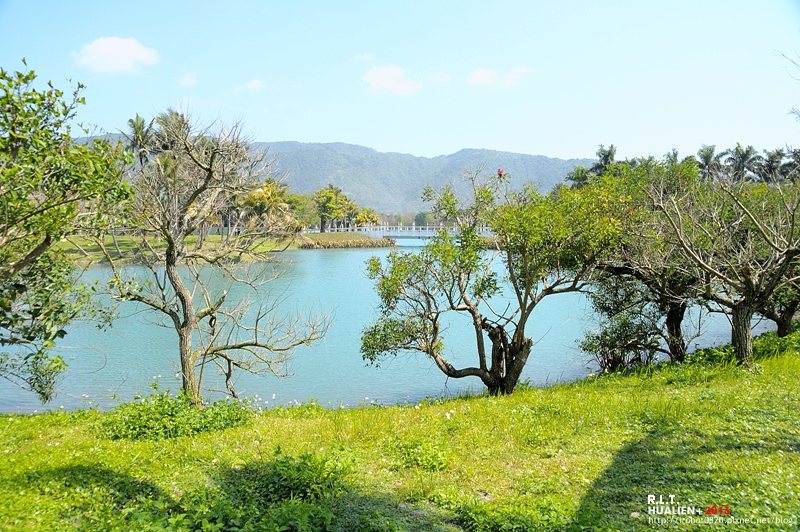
[139,138]
[579,177]
[792,166]
[709,161]
[605,158]
[742,161]
[773,167]
[266,207]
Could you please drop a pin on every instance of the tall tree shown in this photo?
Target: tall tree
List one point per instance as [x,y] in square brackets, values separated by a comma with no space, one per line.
[709,162]
[742,162]
[773,166]
[644,293]
[139,138]
[194,173]
[605,158]
[740,239]
[548,245]
[579,176]
[51,188]
[330,205]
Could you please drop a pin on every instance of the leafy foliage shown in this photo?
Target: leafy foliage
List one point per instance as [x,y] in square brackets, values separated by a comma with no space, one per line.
[51,187]
[160,416]
[307,478]
[549,245]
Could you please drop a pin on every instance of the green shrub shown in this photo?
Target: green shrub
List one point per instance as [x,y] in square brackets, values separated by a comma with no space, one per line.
[294,515]
[507,516]
[307,478]
[160,417]
[420,453]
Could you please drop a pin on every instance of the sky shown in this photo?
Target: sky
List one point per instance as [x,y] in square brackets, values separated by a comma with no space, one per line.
[431,77]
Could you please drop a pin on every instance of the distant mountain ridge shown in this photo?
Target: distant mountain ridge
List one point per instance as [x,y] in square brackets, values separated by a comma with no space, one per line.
[393,182]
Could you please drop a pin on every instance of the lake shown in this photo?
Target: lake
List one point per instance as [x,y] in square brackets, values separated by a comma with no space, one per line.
[106,367]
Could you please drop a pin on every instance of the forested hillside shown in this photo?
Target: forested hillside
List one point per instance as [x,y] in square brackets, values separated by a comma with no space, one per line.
[393,182]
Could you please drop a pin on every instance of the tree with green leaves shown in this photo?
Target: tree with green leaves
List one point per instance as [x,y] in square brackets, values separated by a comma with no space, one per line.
[742,162]
[773,166]
[643,291]
[548,245]
[579,176]
[191,174]
[605,158]
[366,217]
[709,162]
[51,188]
[330,205]
[139,138]
[268,206]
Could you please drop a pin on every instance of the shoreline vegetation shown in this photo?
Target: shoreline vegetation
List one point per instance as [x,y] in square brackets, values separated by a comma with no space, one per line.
[705,445]
[83,250]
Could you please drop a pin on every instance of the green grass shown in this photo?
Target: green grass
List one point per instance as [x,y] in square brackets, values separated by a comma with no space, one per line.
[86,250]
[580,456]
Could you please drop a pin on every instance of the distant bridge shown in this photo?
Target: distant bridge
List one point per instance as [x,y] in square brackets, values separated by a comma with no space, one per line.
[402,231]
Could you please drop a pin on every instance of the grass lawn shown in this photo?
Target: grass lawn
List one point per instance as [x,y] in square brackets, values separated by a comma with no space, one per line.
[599,454]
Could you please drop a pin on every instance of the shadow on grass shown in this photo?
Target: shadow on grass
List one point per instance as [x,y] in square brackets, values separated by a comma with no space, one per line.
[687,469]
[285,493]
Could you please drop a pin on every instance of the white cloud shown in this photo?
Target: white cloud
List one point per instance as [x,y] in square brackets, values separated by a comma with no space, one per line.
[516,76]
[482,76]
[116,55]
[188,80]
[252,85]
[390,80]
[365,58]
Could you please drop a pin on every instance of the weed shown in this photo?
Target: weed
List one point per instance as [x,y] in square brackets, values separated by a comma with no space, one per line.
[160,416]
[419,453]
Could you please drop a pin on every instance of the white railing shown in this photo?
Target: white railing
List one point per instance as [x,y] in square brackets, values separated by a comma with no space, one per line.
[400,231]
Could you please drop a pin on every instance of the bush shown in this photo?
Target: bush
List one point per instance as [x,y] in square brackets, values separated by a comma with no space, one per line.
[307,478]
[508,516]
[419,453]
[161,417]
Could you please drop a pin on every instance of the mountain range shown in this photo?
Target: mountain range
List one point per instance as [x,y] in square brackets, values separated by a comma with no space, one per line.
[393,182]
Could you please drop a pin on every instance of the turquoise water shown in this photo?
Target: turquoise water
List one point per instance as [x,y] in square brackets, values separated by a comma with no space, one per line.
[106,367]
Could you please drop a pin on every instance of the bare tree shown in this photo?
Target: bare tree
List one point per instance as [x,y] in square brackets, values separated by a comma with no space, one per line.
[188,176]
[740,239]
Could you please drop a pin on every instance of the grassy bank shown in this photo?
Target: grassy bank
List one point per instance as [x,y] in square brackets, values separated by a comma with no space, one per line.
[581,456]
[85,250]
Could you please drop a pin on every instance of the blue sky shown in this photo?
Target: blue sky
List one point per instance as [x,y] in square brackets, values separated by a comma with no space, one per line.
[431,77]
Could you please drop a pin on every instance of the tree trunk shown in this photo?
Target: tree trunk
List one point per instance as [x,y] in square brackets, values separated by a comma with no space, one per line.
[741,333]
[116,244]
[188,366]
[785,319]
[508,360]
[675,342]
[785,324]
[185,323]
